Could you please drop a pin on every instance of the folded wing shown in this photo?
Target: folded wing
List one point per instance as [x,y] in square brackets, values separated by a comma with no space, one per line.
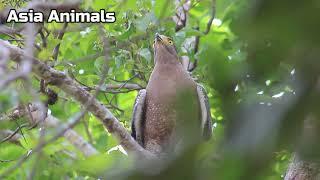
[138,117]
[206,120]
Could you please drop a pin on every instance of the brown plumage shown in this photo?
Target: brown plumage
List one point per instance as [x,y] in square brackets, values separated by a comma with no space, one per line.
[168,113]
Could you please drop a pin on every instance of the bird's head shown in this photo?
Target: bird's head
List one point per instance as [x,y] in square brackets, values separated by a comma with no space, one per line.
[164,48]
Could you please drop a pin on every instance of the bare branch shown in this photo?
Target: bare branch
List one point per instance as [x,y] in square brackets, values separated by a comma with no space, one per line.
[131,86]
[113,88]
[181,13]
[9,31]
[123,86]
[16,113]
[86,127]
[13,136]
[213,14]
[52,122]
[180,19]
[10,136]
[60,36]
[4,161]
[65,130]
[18,164]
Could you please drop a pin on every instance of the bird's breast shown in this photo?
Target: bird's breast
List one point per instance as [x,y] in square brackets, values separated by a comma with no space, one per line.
[166,93]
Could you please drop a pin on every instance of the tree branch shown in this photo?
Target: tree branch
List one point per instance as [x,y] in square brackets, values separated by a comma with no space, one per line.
[50,121]
[60,36]
[9,31]
[72,136]
[181,13]
[180,19]
[13,136]
[10,136]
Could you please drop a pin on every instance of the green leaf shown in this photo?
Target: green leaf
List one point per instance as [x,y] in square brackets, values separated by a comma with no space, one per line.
[145,53]
[164,8]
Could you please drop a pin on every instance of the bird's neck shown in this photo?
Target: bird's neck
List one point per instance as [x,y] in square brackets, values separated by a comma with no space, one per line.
[167,68]
[167,59]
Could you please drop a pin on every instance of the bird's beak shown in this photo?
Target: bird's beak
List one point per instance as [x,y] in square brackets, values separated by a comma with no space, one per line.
[158,37]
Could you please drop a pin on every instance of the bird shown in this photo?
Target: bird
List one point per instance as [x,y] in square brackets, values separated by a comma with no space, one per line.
[173,110]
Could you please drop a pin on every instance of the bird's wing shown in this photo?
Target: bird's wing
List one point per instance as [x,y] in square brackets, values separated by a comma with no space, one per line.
[206,120]
[138,116]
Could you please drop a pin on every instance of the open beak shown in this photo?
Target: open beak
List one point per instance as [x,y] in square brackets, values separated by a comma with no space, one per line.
[158,37]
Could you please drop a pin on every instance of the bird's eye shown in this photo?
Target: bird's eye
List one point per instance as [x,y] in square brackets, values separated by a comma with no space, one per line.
[170,42]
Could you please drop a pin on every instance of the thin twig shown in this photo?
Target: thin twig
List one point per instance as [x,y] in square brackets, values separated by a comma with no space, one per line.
[5,161]
[127,81]
[213,14]
[43,38]
[10,31]
[85,58]
[178,19]
[15,166]
[10,136]
[207,30]
[86,127]
[20,129]
[60,36]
